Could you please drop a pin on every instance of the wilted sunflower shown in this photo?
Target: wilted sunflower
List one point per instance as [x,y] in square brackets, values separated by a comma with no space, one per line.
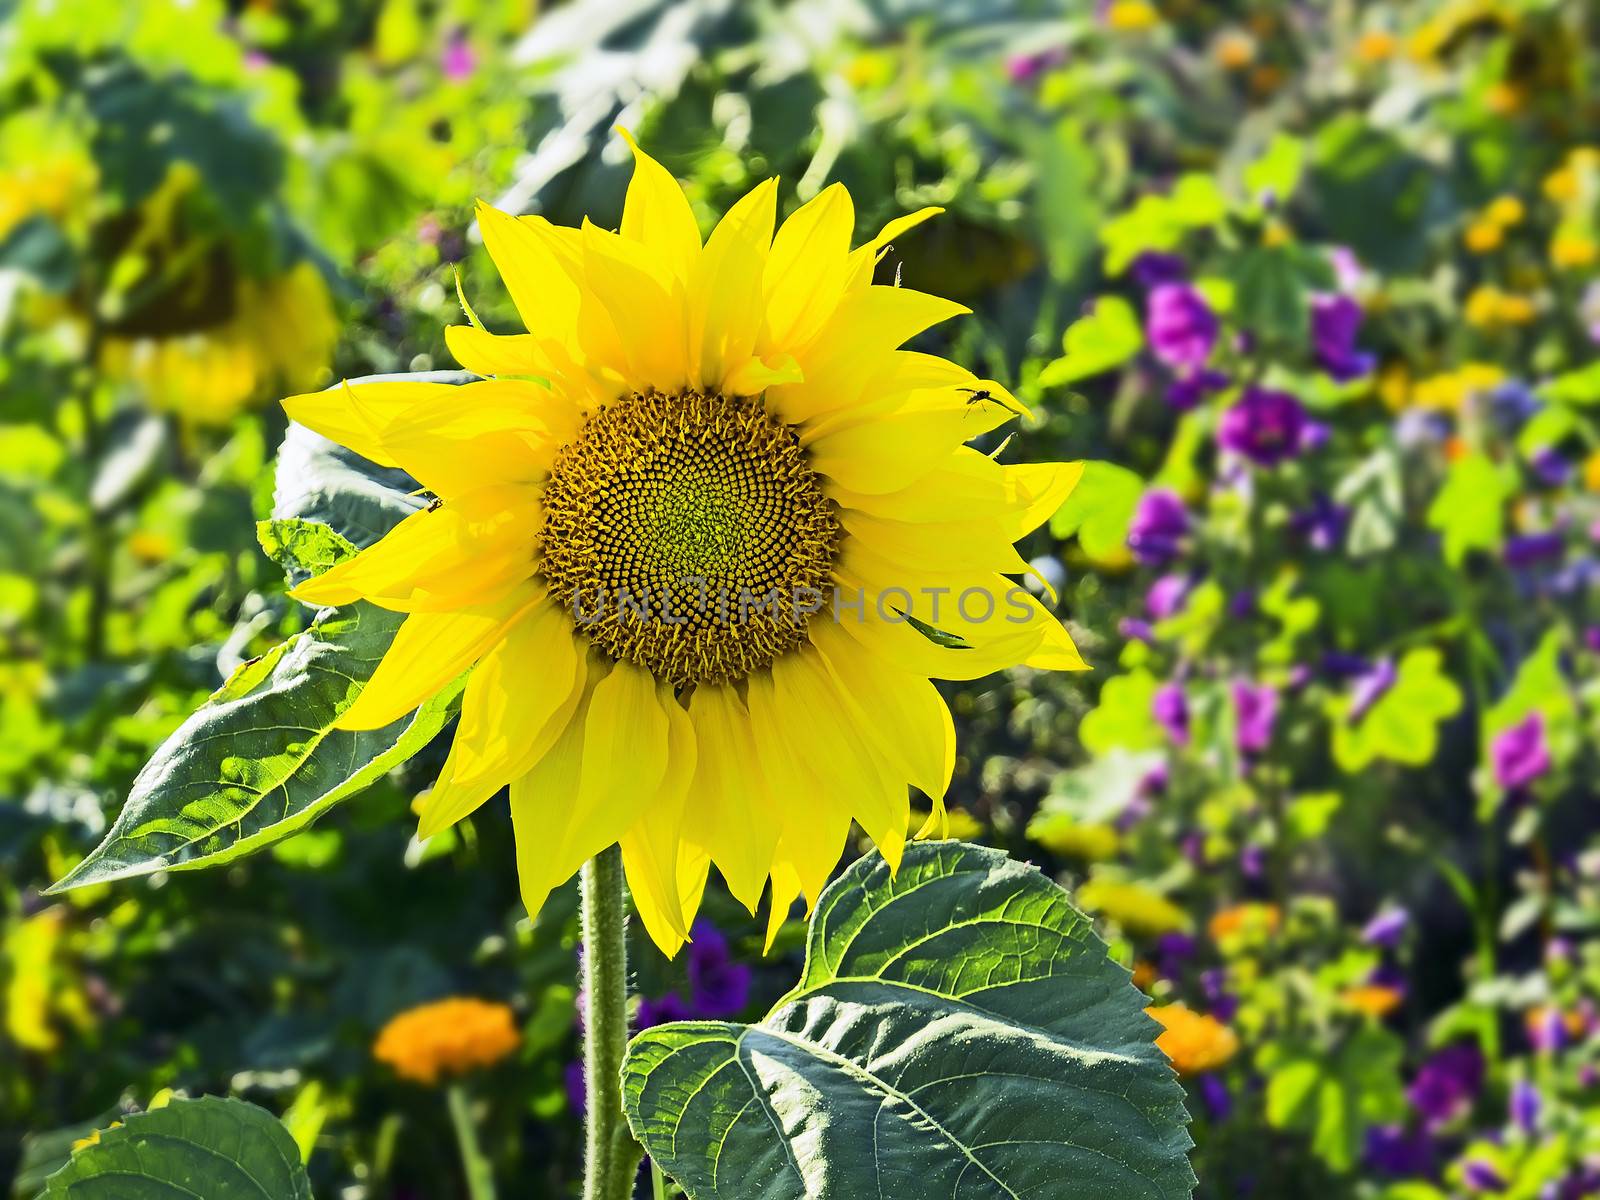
[684,427]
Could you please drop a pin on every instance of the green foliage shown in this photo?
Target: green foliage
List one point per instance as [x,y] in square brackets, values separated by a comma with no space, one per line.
[957,1025]
[1403,725]
[228,1149]
[1334,1098]
[1470,509]
[1108,336]
[1099,509]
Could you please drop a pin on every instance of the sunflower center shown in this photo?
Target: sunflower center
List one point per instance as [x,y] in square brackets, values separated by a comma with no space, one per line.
[688,534]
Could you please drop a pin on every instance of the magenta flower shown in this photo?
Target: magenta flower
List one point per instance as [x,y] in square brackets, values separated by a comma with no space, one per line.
[1180,325]
[1265,426]
[1446,1085]
[1171,711]
[459,60]
[1159,525]
[1335,321]
[1520,754]
[1255,708]
[1166,596]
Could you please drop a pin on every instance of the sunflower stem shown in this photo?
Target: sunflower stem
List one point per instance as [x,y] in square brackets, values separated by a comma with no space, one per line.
[479,1173]
[611,1156]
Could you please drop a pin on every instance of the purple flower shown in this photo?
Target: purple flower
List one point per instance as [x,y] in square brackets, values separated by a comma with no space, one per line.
[1020,68]
[1255,709]
[1218,1101]
[1253,861]
[1525,1105]
[1159,525]
[577,1090]
[1370,687]
[1482,1177]
[1265,426]
[1346,267]
[1391,1150]
[1446,1085]
[1322,524]
[458,61]
[1550,467]
[1190,388]
[1166,596]
[719,986]
[1530,549]
[1520,754]
[1242,604]
[1152,267]
[1135,630]
[1173,950]
[660,1010]
[1512,404]
[1180,325]
[1224,1004]
[1171,711]
[1335,321]
[1387,928]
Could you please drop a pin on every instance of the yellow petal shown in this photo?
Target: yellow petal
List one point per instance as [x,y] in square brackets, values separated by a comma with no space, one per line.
[653,847]
[785,891]
[815,816]
[844,756]
[645,303]
[542,269]
[506,726]
[485,353]
[725,309]
[336,415]
[455,555]
[978,543]
[864,258]
[1037,490]
[657,213]
[730,813]
[757,375]
[968,483]
[888,454]
[556,831]
[429,651]
[624,744]
[808,268]
[906,713]
[867,325]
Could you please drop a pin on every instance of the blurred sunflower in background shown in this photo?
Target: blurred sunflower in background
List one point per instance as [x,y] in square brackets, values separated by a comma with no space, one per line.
[722,422]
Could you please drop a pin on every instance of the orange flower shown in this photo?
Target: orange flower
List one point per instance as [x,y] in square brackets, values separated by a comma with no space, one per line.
[1195,1042]
[1375,46]
[1245,918]
[1145,975]
[448,1037]
[1374,1000]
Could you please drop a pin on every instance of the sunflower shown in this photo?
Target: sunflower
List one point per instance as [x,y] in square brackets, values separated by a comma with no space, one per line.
[703,539]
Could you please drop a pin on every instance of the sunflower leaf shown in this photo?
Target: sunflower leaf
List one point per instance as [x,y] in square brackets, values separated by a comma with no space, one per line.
[261,758]
[228,1148]
[958,1024]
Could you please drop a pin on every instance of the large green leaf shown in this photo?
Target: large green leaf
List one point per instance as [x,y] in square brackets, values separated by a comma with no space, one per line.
[261,759]
[958,1032]
[210,1147]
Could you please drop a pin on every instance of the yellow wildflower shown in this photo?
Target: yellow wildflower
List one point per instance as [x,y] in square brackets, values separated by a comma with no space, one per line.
[1375,45]
[1482,236]
[1244,919]
[1591,472]
[1195,1042]
[1505,211]
[1503,99]
[1137,909]
[1572,251]
[1488,307]
[447,1037]
[1561,185]
[1375,1000]
[1450,390]
[1234,50]
[1092,843]
[1131,16]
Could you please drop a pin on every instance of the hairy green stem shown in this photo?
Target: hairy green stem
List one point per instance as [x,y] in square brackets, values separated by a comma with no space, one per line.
[611,1156]
[479,1173]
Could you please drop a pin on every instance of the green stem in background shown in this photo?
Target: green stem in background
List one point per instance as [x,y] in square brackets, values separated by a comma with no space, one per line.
[480,1175]
[97,545]
[658,1182]
[611,1156]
